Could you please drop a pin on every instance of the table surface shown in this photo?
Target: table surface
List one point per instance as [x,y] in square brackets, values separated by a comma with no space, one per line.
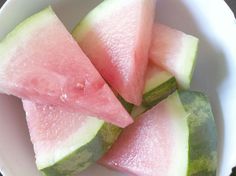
[231,3]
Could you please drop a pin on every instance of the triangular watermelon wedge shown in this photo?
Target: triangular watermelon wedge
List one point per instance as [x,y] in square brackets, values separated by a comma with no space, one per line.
[40,61]
[156,144]
[116,37]
[66,142]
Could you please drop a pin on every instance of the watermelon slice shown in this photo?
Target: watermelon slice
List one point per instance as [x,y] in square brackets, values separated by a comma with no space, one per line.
[175,52]
[156,144]
[116,37]
[66,143]
[41,61]
[202,134]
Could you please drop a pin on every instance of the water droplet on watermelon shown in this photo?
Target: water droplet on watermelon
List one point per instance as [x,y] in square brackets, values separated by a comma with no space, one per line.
[80,86]
[63,97]
[114,163]
[50,107]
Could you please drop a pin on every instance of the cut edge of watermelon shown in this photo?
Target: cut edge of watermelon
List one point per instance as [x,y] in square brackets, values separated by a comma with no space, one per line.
[186,67]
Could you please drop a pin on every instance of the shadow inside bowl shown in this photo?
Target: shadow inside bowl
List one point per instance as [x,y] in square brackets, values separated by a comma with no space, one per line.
[71,14]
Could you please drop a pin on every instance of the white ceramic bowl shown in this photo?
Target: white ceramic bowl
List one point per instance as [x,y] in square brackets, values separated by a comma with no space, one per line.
[210,20]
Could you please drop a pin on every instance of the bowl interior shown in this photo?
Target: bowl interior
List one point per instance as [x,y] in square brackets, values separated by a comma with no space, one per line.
[214,73]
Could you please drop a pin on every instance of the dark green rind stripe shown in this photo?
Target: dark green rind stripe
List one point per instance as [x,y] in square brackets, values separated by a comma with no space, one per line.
[128,106]
[154,96]
[86,155]
[203,138]
[159,93]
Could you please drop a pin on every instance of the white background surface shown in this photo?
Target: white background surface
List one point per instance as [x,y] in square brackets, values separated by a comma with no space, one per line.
[215,74]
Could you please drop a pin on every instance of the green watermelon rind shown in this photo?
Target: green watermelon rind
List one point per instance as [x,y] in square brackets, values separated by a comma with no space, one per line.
[203,134]
[85,155]
[159,93]
[128,106]
[157,87]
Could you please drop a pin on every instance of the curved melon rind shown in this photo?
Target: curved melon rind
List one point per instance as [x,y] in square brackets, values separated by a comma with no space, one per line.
[203,138]
[86,155]
[159,93]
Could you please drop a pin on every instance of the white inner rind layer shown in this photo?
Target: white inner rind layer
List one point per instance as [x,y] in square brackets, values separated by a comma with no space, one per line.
[179,162]
[187,59]
[157,78]
[47,157]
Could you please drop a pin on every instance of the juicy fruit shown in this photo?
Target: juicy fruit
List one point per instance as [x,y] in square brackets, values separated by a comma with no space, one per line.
[175,52]
[203,135]
[116,37]
[154,144]
[66,143]
[36,65]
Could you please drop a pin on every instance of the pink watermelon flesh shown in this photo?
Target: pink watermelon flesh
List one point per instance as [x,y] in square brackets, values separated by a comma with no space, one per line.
[116,37]
[45,64]
[175,52]
[56,133]
[47,125]
[152,146]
